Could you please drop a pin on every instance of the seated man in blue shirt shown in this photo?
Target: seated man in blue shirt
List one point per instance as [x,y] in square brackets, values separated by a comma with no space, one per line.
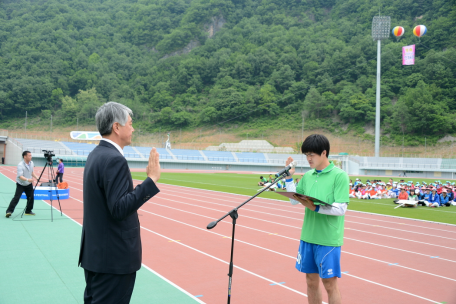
[423,197]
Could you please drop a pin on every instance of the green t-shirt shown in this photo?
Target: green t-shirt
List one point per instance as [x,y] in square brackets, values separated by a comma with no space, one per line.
[330,185]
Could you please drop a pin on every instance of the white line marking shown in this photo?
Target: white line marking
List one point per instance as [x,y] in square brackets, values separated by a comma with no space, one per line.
[145,266]
[391,288]
[220,260]
[286,255]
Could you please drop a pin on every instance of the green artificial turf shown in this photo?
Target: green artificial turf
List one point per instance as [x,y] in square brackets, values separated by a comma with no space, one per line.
[39,259]
[246,184]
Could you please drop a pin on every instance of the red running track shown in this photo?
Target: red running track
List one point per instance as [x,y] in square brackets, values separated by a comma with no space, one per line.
[385,259]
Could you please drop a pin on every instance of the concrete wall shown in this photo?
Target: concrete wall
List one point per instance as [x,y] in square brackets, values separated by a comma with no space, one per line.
[2,150]
[353,168]
[13,155]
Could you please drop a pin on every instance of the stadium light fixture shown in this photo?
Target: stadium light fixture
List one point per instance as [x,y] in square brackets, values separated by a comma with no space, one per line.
[381,26]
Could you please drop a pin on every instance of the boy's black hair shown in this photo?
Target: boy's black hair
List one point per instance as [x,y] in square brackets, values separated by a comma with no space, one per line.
[25,153]
[315,143]
[261,177]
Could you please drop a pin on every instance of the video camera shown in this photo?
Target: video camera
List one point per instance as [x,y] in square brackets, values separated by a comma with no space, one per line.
[48,154]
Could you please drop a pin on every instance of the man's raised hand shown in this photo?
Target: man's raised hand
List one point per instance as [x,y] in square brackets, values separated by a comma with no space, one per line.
[288,162]
[153,168]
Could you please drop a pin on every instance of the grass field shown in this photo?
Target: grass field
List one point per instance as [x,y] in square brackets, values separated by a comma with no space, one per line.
[246,184]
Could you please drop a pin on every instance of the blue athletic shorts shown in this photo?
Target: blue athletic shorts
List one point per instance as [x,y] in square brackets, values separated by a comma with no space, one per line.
[324,260]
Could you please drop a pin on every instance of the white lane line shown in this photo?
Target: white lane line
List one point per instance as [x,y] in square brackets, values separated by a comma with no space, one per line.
[143,265]
[363,212]
[212,232]
[397,223]
[300,227]
[300,219]
[394,237]
[389,287]
[379,284]
[401,230]
[225,262]
[347,215]
[173,284]
[273,251]
[293,258]
[394,248]
[267,232]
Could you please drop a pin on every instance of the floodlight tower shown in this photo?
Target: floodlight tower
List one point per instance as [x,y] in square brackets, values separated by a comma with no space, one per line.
[380,30]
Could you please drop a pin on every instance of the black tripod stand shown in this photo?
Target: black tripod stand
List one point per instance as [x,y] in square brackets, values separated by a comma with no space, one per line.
[234,215]
[52,183]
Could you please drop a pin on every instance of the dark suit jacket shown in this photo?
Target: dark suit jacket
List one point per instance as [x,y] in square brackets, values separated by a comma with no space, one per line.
[111,241]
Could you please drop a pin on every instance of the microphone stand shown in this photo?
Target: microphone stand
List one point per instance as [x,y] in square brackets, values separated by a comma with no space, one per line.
[234,215]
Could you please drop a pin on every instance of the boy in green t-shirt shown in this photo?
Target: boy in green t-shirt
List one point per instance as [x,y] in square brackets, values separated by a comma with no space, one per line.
[323,227]
[262,181]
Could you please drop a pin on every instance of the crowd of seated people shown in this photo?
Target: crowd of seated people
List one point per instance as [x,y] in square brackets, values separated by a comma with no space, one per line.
[436,194]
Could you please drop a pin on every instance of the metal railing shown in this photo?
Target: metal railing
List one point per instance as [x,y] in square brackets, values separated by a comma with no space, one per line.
[40,150]
[76,152]
[400,166]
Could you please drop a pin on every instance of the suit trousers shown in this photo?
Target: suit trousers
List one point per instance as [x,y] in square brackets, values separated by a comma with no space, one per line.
[108,287]
[30,198]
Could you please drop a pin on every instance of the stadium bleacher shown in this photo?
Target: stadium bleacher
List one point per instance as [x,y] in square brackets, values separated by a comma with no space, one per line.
[448,164]
[80,148]
[145,151]
[219,156]
[398,162]
[84,149]
[36,146]
[182,154]
[247,157]
[281,158]
[131,153]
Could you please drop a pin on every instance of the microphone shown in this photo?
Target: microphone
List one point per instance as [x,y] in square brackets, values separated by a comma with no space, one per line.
[290,166]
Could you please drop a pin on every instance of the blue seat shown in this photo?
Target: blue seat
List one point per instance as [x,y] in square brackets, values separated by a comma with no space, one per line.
[182,154]
[219,156]
[249,157]
[80,148]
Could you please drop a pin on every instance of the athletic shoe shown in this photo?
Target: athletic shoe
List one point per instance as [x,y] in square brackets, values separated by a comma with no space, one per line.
[30,213]
[8,214]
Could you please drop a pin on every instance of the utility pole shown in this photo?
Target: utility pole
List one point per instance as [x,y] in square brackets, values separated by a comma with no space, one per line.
[25,124]
[380,30]
[50,133]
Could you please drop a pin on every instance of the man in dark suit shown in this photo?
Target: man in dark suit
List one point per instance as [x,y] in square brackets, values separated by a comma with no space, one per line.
[111,243]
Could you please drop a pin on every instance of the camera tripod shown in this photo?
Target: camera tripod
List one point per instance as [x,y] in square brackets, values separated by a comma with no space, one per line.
[48,155]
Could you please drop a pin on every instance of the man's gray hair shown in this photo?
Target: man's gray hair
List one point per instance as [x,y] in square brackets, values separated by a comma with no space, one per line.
[108,114]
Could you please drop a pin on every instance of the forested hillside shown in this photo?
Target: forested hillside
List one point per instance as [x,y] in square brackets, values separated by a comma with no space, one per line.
[272,58]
